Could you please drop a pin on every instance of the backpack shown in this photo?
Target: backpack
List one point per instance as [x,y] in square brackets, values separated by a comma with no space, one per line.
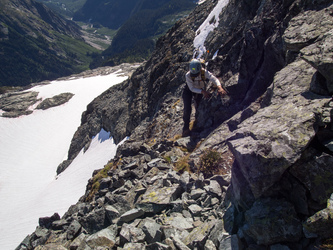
[203,75]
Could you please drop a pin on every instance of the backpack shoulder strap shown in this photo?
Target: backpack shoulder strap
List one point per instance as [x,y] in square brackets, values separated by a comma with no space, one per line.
[203,75]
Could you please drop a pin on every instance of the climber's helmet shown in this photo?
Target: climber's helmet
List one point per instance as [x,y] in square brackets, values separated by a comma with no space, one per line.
[195,67]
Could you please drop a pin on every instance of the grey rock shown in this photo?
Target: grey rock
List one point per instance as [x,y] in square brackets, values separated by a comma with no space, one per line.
[62,166]
[104,238]
[163,195]
[55,101]
[39,237]
[95,221]
[271,221]
[264,157]
[168,231]
[214,188]
[198,236]
[155,162]
[131,215]
[118,201]
[130,233]
[305,28]
[73,230]
[230,243]
[111,212]
[321,223]
[16,104]
[134,246]
[216,232]
[152,230]
[222,180]
[105,183]
[47,221]
[195,210]
[158,246]
[131,166]
[316,176]
[184,180]
[179,222]
[78,241]
[179,244]
[319,55]
[173,176]
[209,245]
[197,193]
[60,224]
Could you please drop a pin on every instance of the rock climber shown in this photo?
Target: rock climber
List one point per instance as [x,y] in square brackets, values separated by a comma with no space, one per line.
[196,88]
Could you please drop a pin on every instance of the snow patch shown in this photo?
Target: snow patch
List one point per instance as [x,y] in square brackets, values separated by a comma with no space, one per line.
[32,147]
[201,2]
[211,22]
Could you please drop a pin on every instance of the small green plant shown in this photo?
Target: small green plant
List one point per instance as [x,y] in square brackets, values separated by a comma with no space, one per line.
[182,164]
[209,162]
[97,177]
[167,159]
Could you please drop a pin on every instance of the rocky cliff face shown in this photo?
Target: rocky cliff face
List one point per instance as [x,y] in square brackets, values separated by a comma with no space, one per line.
[259,161]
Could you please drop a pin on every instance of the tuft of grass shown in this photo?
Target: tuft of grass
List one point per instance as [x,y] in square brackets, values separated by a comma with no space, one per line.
[167,159]
[97,177]
[182,164]
[209,162]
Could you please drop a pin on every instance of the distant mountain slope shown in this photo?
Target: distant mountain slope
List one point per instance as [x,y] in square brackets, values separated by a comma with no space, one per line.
[65,7]
[36,44]
[140,22]
[109,13]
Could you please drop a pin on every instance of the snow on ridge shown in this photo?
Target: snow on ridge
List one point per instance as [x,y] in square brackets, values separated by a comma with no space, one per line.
[32,147]
[207,27]
[201,2]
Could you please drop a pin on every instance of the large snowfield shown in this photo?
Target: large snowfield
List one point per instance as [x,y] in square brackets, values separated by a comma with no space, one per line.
[32,147]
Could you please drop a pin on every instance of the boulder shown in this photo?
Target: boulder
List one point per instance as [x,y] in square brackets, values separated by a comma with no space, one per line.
[178,221]
[73,230]
[111,213]
[134,246]
[95,221]
[156,199]
[321,223]
[214,188]
[316,175]
[131,215]
[118,202]
[311,33]
[195,210]
[55,101]
[152,230]
[104,238]
[198,236]
[271,221]
[304,29]
[179,244]
[264,150]
[17,104]
[47,221]
[157,246]
[130,233]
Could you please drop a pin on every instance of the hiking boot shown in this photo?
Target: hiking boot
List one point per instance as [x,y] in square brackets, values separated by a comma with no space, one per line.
[186,133]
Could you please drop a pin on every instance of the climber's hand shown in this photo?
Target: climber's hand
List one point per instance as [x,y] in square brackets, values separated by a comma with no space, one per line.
[221,91]
[205,94]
